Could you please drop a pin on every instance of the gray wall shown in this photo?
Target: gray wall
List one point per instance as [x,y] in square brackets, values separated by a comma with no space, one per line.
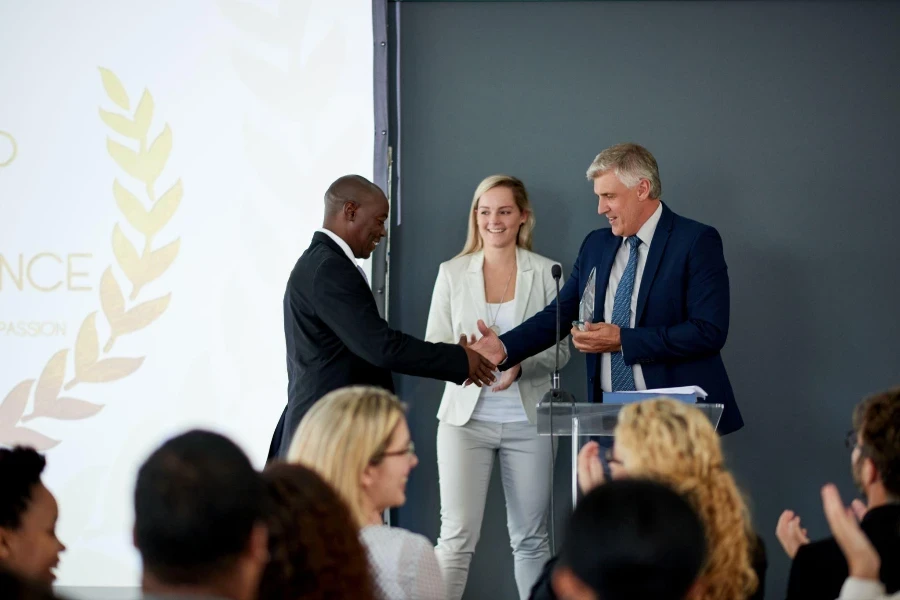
[774,122]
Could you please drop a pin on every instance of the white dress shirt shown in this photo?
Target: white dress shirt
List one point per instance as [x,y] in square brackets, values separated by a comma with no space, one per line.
[346,248]
[645,234]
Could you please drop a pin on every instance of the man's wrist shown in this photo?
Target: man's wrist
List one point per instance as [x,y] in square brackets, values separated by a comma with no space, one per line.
[864,569]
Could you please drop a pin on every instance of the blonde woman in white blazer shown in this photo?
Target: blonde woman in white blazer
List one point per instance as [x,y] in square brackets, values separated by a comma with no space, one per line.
[496,278]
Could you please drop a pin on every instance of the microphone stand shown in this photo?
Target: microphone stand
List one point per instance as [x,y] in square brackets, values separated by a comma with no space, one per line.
[556,394]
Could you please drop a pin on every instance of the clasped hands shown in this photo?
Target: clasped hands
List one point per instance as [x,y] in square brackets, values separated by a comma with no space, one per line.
[490,352]
[598,338]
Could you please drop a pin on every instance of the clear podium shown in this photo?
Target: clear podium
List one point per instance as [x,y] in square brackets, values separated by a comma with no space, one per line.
[584,419]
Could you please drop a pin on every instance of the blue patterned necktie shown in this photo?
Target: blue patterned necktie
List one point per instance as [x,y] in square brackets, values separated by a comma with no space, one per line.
[621,374]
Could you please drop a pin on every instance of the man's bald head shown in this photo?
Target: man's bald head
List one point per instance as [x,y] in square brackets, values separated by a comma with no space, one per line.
[349,188]
[356,210]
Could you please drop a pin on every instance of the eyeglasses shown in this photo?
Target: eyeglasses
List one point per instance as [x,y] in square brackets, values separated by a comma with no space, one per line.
[408,451]
[610,458]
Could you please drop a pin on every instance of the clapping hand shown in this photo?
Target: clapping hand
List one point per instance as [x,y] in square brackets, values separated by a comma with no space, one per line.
[590,469]
[790,534]
[862,558]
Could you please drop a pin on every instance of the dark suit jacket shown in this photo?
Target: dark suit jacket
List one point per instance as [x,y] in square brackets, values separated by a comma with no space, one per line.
[335,337]
[819,568]
[682,312]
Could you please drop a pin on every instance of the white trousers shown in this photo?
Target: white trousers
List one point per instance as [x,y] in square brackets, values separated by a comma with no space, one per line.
[465,456]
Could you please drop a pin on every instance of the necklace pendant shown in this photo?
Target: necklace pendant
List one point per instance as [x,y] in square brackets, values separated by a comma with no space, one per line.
[495,329]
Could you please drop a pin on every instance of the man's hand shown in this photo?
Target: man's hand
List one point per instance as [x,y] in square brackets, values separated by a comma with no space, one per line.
[862,558]
[598,338]
[507,378]
[481,371]
[790,534]
[489,345]
[590,469]
[859,509]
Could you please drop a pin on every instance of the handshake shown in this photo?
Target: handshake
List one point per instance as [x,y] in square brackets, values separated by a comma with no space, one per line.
[484,355]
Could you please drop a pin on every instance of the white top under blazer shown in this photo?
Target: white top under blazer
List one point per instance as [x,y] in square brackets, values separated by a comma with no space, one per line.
[458,302]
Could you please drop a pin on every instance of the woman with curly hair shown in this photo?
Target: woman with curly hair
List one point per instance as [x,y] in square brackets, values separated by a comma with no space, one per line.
[314,549]
[675,443]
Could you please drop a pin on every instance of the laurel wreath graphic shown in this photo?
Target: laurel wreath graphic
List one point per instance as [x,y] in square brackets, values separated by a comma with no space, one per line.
[90,365]
[7,160]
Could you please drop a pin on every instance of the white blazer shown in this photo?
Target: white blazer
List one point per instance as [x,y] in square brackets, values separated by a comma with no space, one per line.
[458,302]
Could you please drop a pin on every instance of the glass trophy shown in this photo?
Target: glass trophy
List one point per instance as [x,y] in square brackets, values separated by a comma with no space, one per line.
[586,307]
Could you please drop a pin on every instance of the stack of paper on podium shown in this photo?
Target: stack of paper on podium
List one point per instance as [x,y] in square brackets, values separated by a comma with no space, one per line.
[688,393]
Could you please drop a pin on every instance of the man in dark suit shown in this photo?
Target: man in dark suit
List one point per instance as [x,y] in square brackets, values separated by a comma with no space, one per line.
[660,317]
[819,568]
[334,335]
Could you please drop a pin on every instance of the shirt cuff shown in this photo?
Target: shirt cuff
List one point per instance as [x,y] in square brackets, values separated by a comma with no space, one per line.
[504,352]
[855,588]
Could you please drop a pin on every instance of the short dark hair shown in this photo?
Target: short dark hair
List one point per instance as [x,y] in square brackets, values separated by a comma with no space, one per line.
[349,188]
[314,546]
[196,501]
[635,539]
[877,420]
[20,471]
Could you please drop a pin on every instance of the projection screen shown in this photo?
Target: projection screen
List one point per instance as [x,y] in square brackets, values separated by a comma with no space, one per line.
[162,166]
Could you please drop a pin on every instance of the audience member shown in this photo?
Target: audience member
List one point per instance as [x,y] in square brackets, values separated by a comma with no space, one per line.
[630,540]
[28,512]
[675,443]
[862,558]
[358,440]
[315,552]
[819,568]
[199,509]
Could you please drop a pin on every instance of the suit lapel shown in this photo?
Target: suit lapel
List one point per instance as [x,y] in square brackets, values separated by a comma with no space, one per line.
[601,281]
[321,238]
[524,279]
[475,280]
[657,247]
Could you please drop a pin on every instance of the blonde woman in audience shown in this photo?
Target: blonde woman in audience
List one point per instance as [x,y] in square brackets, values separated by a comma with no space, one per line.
[357,439]
[675,443]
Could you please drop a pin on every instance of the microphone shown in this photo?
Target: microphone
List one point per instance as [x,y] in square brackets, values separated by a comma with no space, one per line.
[556,394]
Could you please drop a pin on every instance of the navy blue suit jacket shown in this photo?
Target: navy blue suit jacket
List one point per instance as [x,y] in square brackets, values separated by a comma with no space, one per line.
[682,312]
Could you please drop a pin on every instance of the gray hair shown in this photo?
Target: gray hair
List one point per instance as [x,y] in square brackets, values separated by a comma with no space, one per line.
[630,163]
